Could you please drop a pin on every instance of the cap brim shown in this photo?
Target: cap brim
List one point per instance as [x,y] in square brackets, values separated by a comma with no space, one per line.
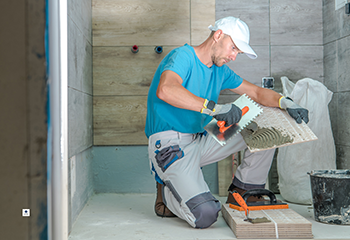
[244,47]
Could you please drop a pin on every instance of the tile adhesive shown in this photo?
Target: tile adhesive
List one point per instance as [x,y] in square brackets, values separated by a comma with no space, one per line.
[331,196]
[261,137]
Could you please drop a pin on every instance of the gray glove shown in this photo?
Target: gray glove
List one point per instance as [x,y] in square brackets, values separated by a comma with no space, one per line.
[229,113]
[294,110]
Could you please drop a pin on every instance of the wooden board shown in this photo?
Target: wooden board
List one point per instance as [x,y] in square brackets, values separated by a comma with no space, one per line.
[119,120]
[280,119]
[285,223]
[118,71]
[140,22]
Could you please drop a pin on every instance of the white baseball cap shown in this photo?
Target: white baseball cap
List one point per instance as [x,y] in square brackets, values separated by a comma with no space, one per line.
[238,31]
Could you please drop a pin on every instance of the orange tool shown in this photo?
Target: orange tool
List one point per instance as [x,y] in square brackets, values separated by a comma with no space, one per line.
[241,202]
[221,124]
[272,203]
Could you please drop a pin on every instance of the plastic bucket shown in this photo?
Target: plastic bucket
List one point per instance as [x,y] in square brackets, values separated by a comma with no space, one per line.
[331,196]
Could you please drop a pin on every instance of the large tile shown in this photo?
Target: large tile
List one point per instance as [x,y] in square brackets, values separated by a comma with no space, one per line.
[253,70]
[81,13]
[343,157]
[140,22]
[343,64]
[344,22]
[297,62]
[119,120]
[202,15]
[79,121]
[333,114]
[254,13]
[330,21]
[296,22]
[79,59]
[118,71]
[80,183]
[343,118]
[330,66]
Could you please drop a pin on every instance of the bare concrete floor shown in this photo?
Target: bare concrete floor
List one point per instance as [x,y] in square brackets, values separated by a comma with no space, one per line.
[131,216]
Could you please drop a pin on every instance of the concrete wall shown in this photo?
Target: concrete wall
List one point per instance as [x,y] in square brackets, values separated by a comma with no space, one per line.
[23,129]
[79,105]
[336,37]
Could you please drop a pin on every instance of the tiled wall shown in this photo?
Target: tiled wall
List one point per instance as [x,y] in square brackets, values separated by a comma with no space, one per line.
[336,37]
[286,35]
[121,79]
[79,105]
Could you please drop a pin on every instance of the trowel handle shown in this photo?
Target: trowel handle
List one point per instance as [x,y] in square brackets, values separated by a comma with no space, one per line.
[240,201]
[221,124]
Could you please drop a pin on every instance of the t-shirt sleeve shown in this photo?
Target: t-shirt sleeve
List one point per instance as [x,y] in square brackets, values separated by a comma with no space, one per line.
[179,61]
[231,79]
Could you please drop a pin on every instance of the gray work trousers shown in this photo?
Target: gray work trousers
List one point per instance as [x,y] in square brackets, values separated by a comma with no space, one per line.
[176,160]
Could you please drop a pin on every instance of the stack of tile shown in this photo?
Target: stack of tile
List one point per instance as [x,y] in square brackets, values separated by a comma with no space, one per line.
[285,223]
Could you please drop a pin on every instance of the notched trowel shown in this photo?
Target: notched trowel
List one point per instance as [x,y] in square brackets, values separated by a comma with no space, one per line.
[250,111]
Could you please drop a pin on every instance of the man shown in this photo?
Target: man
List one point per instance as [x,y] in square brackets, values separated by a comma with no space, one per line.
[182,99]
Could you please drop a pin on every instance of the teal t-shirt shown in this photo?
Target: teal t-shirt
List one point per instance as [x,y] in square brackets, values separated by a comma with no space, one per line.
[199,79]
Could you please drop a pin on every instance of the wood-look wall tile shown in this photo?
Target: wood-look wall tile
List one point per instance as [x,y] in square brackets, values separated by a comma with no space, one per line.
[297,62]
[254,13]
[119,120]
[202,15]
[79,59]
[118,71]
[296,22]
[140,22]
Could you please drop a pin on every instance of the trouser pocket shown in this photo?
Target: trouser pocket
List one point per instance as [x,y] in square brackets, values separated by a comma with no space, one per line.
[168,156]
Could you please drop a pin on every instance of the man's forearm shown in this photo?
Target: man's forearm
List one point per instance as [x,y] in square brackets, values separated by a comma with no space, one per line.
[171,91]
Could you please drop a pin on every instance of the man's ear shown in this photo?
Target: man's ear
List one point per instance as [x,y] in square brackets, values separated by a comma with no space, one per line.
[218,35]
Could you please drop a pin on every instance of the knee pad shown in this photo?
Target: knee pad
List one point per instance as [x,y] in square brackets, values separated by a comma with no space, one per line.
[205,208]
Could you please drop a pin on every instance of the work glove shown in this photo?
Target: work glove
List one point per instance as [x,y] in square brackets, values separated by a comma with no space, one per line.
[294,110]
[229,113]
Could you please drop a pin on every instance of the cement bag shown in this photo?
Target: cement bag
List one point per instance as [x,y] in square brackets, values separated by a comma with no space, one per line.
[293,162]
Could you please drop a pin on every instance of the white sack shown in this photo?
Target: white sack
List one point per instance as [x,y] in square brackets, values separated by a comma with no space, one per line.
[295,161]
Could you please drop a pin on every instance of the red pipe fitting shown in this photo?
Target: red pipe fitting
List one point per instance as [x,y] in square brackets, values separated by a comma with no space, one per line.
[135,49]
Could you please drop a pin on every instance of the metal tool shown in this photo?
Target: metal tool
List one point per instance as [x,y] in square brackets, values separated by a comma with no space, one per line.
[250,110]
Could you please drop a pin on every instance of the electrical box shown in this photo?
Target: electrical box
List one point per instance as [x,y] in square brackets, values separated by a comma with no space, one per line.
[268,82]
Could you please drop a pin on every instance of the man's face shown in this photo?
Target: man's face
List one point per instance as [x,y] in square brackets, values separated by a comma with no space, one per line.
[224,51]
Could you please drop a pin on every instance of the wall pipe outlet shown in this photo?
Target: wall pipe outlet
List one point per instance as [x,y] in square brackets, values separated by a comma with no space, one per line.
[158,49]
[135,49]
